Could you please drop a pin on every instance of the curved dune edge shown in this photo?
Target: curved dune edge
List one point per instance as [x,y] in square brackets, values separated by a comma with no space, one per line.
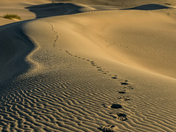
[77,79]
[13,51]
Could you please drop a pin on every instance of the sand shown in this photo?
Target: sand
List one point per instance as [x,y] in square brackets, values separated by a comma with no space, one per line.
[78,66]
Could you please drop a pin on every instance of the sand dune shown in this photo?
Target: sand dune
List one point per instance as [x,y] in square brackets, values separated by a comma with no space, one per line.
[88,66]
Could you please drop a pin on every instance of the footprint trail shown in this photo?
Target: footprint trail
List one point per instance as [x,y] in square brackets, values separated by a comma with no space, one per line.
[124,83]
[56,36]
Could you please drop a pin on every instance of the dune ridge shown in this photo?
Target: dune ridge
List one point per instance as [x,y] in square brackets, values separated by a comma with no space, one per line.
[89,70]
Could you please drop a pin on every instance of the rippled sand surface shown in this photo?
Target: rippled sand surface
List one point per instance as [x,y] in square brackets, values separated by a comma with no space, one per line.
[88,66]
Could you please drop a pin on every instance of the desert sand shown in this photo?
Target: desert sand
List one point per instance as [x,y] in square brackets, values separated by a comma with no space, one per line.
[88,66]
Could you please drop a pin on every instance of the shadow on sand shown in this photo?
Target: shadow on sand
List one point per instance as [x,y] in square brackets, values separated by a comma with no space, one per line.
[54,9]
[148,7]
[14,47]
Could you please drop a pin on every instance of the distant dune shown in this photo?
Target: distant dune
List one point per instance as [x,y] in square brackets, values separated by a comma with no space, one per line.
[88,66]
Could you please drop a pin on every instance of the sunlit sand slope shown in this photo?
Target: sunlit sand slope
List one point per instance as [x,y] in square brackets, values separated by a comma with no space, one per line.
[95,71]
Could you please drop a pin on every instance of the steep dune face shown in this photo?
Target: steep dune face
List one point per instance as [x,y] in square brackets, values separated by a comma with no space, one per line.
[14,47]
[92,71]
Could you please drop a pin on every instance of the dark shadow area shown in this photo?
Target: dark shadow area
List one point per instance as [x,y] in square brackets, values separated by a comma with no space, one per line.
[148,7]
[54,9]
[13,34]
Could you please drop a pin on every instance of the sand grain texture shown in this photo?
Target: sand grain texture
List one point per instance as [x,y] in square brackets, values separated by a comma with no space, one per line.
[80,66]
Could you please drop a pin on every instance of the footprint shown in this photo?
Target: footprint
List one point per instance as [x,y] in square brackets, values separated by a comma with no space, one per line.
[105,72]
[128,87]
[122,92]
[116,106]
[124,82]
[113,76]
[99,69]
[124,98]
[107,128]
[121,116]
[93,63]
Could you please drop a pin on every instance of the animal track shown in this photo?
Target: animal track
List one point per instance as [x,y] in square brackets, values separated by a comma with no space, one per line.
[107,128]
[120,116]
[56,38]
[122,92]
[128,87]
[93,63]
[116,106]
[114,77]
[124,98]
[124,82]
[99,68]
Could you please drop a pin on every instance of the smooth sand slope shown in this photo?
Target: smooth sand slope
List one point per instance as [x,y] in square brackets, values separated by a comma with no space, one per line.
[88,66]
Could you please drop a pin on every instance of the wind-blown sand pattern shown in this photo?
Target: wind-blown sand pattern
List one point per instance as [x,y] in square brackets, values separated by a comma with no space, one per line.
[80,66]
